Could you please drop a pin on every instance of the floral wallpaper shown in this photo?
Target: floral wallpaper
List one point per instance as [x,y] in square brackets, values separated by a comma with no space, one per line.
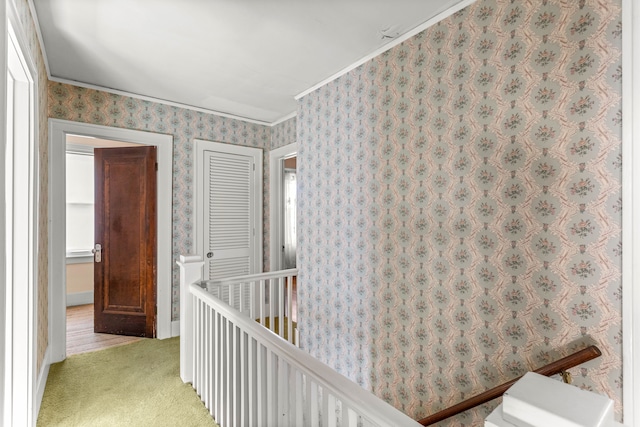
[284,133]
[337,253]
[460,206]
[97,107]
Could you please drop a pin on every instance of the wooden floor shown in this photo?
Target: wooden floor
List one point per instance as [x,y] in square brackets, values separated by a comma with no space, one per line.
[80,335]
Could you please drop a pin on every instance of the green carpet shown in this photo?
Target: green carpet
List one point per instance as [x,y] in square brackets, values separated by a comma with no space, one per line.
[132,385]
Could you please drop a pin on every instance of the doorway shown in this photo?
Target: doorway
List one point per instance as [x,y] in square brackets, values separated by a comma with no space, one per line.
[58,131]
[280,160]
[80,214]
[289,201]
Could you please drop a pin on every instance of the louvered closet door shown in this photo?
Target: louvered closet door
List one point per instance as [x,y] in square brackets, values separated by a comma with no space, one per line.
[229,219]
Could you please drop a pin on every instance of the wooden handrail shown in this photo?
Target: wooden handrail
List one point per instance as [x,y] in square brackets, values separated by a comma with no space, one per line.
[552,368]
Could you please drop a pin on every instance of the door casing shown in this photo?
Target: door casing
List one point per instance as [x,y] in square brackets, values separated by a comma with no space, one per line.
[198,237]
[58,130]
[276,211]
[19,337]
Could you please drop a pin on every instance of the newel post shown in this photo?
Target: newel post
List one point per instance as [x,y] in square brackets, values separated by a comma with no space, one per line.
[190,272]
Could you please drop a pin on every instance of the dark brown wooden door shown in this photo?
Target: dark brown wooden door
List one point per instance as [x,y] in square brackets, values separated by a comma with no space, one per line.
[125,227]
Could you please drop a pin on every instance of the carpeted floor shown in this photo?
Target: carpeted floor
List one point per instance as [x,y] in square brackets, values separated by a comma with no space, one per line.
[131,385]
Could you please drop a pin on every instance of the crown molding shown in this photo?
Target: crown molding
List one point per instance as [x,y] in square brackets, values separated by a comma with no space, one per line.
[284,119]
[434,20]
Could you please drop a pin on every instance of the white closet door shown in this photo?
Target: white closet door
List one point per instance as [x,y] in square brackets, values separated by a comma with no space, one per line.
[231,210]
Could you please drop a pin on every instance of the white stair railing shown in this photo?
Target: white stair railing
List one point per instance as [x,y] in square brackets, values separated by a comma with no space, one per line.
[246,375]
[267,298]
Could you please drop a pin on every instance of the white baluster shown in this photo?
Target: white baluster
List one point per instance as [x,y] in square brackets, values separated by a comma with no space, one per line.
[272,304]
[312,392]
[251,379]
[299,398]
[283,393]
[217,369]
[270,387]
[236,377]
[349,416]
[261,376]
[210,362]
[243,379]
[262,313]
[205,353]
[229,371]
[290,309]
[280,299]
[196,345]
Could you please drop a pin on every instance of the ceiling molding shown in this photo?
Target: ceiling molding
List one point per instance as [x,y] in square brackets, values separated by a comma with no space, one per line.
[434,20]
[158,100]
[284,119]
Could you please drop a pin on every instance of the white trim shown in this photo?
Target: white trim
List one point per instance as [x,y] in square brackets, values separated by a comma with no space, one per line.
[57,245]
[276,203]
[79,259]
[79,298]
[25,298]
[437,18]
[631,211]
[42,381]
[175,328]
[283,119]
[200,146]
[5,398]
[58,129]
[80,149]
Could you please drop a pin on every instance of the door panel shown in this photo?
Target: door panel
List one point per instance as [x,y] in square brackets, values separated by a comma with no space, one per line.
[228,222]
[125,227]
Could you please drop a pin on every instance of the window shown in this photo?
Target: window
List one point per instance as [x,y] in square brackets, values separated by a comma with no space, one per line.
[80,204]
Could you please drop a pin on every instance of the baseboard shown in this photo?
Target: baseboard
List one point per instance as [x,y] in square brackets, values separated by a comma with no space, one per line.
[79,298]
[42,382]
[175,328]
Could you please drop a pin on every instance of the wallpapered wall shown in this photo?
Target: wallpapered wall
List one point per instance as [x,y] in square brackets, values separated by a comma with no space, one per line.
[42,301]
[97,107]
[460,205]
[283,133]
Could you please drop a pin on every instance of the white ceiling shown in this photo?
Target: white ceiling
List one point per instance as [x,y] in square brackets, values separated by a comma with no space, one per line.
[245,58]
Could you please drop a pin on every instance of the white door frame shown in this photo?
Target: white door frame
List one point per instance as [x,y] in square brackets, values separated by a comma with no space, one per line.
[276,208]
[3,221]
[58,130]
[200,146]
[19,339]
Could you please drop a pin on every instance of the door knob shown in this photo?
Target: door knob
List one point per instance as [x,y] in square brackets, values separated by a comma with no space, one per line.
[210,255]
[97,253]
